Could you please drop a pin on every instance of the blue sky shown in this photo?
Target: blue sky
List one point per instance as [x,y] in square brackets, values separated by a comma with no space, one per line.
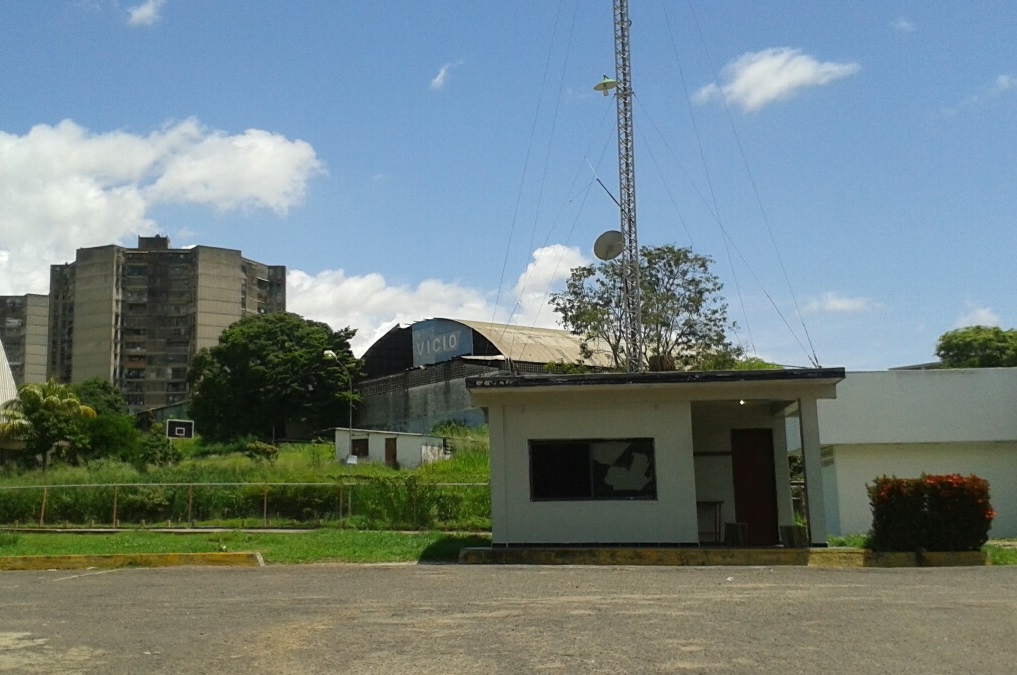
[409,159]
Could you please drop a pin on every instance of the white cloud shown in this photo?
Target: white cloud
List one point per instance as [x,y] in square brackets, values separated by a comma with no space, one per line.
[976,314]
[832,303]
[439,81]
[903,24]
[372,305]
[64,187]
[145,14]
[756,79]
[547,272]
[253,169]
[998,87]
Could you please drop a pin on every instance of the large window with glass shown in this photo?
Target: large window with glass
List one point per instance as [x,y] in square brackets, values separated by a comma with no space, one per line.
[598,469]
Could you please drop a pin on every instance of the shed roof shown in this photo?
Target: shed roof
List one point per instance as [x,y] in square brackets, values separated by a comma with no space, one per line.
[536,345]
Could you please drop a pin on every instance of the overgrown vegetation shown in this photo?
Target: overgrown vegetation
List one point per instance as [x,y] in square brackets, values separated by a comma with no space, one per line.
[301,486]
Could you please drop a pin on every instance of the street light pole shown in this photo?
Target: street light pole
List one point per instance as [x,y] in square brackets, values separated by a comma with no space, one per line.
[329,354]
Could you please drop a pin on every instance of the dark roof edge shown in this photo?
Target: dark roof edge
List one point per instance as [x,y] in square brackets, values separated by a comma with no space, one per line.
[505,380]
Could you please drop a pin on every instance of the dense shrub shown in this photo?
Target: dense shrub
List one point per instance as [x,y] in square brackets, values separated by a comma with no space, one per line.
[261,451]
[112,436]
[932,513]
[156,449]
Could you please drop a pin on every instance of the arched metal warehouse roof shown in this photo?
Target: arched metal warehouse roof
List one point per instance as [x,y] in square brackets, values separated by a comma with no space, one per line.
[404,346]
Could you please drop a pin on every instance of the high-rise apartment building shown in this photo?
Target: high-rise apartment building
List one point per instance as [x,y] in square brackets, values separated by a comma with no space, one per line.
[136,317]
[24,325]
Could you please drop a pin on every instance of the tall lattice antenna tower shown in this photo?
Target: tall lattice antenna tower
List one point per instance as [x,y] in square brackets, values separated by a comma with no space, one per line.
[622,84]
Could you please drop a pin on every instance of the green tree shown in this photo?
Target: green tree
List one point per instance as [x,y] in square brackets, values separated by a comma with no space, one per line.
[267,371]
[46,416]
[155,448]
[754,363]
[978,347]
[101,396]
[684,317]
[112,433]
[111,436]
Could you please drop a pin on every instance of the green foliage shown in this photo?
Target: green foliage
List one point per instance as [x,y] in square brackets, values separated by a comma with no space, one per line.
[364,496]
[931,513]
[850,541]
[101,396]
[978,347]
[113,436]
[261,452]
[46,417]
[157,449]
[326,545]
[1001,555]
[684,317]
[268,371]
[754,363]
[562,367]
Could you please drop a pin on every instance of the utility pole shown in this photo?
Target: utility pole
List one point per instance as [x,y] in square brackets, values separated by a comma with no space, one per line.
[627,189]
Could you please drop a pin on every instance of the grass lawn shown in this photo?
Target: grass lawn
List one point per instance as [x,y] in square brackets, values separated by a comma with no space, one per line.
[326,545]
[1002,553]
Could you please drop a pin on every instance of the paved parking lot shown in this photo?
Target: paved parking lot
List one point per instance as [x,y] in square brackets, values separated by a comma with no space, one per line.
[491,619]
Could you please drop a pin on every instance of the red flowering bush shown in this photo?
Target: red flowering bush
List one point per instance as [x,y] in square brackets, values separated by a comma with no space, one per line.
[934,513]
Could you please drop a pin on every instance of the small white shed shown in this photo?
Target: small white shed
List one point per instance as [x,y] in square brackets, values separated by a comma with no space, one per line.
[398,450]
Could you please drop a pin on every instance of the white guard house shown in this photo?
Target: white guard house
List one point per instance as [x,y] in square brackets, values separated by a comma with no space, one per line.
[650,458]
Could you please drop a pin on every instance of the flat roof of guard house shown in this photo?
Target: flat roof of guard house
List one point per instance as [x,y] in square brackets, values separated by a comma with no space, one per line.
[743,380]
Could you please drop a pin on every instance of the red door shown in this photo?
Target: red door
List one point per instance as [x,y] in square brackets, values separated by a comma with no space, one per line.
[755,486]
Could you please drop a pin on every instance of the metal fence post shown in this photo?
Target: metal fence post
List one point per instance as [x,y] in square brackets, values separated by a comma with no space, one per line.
[264,506]
[42,511]
[413,493]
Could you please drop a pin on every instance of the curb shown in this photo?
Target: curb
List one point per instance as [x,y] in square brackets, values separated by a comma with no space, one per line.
[107,562]
[717,557]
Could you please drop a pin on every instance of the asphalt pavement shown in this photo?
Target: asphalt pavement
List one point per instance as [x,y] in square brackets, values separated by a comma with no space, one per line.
[509,619]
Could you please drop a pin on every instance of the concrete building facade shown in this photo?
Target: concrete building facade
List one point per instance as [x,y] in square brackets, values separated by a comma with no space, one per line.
[651,458]
[908,422]
[24,333]
[136,317]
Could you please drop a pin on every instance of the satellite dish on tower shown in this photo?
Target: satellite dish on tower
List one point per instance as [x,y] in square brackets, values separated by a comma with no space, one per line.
[609,245]
[605,85]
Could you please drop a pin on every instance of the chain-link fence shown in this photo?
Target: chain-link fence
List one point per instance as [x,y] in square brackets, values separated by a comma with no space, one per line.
[358,502]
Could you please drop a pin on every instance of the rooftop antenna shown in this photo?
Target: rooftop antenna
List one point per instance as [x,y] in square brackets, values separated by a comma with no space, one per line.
[622,83]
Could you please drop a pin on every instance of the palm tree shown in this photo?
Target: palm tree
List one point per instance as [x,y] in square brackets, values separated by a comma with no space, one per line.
[42,416]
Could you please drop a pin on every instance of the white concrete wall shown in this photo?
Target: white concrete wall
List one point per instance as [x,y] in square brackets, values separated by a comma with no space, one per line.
[855,466]
[906,423]
[922,406]
[671,518]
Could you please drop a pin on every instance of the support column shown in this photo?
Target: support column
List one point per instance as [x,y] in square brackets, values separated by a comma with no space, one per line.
[813,465]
